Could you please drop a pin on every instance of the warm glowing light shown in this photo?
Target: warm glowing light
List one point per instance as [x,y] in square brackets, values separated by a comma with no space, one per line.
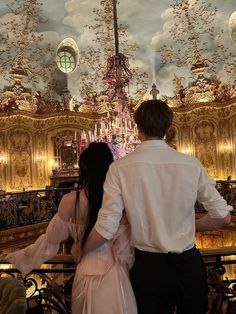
[39,157]
[225,147]
[40,285]
[186,150]
[55,165]
[3,159]
[119,132]
[5,266]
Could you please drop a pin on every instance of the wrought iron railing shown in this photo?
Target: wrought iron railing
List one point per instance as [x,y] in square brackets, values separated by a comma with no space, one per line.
[222,292]
[50,288]
[30,207]
[228,190]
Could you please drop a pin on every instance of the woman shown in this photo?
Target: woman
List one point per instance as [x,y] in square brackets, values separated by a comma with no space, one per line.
[101,284]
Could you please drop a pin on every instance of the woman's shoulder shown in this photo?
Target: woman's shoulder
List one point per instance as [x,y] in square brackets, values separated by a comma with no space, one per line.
[70,203]
[67,205]
[69,198]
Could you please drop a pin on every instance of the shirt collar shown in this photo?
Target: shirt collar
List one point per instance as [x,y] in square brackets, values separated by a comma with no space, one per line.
[155,143]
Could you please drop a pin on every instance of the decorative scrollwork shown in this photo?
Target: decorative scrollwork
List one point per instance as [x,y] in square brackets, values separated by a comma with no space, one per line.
[26,208]
[47,294]
[43,293]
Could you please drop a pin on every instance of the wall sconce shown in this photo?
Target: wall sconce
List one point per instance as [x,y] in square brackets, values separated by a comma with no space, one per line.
[186,150]
[39,157]
[55,165]
[3,159]
[225,147]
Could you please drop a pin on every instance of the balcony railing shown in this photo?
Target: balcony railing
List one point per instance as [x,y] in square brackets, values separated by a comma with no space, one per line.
[50,288]
[228,190]
[30,207]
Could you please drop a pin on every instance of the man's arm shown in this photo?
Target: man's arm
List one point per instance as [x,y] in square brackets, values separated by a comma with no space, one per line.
[218,215]
[93,241]
[206,223]
[110,214]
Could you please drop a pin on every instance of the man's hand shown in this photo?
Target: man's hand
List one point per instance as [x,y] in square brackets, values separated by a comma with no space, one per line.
[93,241]
[206,223]
[76,252]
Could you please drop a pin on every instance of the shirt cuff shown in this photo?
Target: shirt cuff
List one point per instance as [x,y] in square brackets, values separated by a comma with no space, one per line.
[220,213]
[103,232]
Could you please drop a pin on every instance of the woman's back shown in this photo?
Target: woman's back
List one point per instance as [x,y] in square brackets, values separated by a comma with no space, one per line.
[102,279]
[101,284]
[97,261]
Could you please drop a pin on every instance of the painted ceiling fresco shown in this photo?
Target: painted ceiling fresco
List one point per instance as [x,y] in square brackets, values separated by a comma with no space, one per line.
[151,25]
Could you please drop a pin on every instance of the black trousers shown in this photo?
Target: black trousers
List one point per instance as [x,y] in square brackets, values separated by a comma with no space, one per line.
[165,283]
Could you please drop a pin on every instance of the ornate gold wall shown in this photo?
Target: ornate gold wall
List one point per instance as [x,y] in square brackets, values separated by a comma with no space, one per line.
[205,130]
[26,146]
[208,131]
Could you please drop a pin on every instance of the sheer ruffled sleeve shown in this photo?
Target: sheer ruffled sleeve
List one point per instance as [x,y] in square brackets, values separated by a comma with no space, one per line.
[44,248]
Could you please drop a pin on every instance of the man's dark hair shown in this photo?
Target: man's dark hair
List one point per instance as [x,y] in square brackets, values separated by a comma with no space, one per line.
[153,118]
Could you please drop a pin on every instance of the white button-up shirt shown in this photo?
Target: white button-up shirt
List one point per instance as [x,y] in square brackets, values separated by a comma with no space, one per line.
[158,187]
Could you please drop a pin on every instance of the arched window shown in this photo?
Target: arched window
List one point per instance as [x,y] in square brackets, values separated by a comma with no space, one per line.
[66,59]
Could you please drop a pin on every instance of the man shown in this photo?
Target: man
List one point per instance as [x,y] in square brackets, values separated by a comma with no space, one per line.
[158,187]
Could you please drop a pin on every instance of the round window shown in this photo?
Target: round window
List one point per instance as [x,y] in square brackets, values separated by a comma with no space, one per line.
[66,60]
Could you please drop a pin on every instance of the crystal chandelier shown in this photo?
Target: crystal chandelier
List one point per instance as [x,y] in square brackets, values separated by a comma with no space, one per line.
[119,132]
[117,129]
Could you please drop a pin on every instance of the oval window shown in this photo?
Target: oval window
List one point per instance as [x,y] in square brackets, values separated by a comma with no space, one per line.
[66,60]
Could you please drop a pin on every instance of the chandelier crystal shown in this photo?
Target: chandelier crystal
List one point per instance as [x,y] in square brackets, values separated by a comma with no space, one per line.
[117,129]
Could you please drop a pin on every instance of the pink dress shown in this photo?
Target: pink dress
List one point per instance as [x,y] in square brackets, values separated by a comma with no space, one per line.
[101,284]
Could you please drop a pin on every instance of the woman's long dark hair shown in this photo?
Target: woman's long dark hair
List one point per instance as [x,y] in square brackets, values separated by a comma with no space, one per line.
[94,162]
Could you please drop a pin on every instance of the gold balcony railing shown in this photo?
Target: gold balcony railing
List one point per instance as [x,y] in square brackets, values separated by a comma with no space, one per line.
[49,288]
